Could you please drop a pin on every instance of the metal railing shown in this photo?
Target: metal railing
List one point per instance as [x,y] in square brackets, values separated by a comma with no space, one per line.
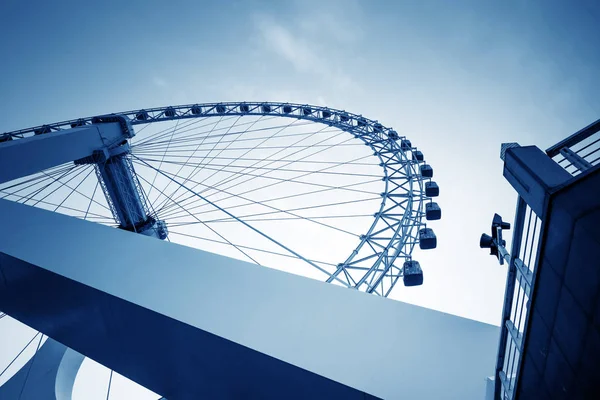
[520,281]
[580,151]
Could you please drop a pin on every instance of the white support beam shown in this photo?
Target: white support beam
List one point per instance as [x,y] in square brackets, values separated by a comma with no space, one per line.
[175,318]
[22,157]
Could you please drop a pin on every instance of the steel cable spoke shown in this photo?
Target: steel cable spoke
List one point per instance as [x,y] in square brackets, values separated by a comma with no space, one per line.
[209,227]
[280,181]
[226,181]
[207,166]
[249,247]
[271,207]
[244,223]
[253,148]
[19,354]
[200,144]
[320,191]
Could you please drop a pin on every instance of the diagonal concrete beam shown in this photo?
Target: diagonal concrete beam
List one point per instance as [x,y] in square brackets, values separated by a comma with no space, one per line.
[187,323]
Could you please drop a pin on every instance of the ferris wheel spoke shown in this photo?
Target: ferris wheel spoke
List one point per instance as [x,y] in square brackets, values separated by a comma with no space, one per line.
[165,132]
[263,140]
[275,219]
[324,263]
[27,192]
[349,188]
[277,131]
[195,136]
[178,144]
[66,185]
[51,179]
[109,384]
[36,178]
[203,223]
[242,222]
[197,131]
[33,196]
[193,173]
[162,160]
[104,218]
[87,211]
[250,139]
[225,181]
[213,166]
[58,181]
[254,176]
[196,149]
[243,159]
[319,191]
[246,167]
[30,365]
[75,188]
[177,224]
[281,147]
[276,210]
[282,180]
[313,207]
[189,201]
[293,180]
[19,354]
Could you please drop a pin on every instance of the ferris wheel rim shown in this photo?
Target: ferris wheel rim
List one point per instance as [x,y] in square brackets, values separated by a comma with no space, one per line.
[381,139]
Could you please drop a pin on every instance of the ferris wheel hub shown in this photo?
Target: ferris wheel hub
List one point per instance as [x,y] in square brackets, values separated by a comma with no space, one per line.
[120,185]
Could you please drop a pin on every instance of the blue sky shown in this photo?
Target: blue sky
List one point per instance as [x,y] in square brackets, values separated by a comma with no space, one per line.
[458,78]
[499,56]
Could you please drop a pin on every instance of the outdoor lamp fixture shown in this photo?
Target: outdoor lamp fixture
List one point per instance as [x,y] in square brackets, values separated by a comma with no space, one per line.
[495,241]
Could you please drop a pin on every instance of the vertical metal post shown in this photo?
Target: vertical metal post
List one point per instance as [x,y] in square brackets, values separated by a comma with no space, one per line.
[578,162]
[510,288]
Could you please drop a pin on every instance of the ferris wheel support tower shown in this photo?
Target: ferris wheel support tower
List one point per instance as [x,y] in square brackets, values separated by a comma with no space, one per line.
[103,144]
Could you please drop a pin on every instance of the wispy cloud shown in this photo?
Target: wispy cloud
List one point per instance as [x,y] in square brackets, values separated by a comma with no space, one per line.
[306,44]
[336,21]
[159,82]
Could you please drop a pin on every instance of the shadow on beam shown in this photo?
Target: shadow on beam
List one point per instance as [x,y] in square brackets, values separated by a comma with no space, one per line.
[165,355]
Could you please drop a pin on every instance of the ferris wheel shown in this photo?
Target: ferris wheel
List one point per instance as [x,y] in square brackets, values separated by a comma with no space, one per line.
[307,189]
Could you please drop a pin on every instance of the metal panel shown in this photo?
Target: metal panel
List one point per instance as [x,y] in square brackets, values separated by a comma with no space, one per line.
[533,174]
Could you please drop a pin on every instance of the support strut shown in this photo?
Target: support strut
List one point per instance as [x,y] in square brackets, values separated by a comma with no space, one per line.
[123,191]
